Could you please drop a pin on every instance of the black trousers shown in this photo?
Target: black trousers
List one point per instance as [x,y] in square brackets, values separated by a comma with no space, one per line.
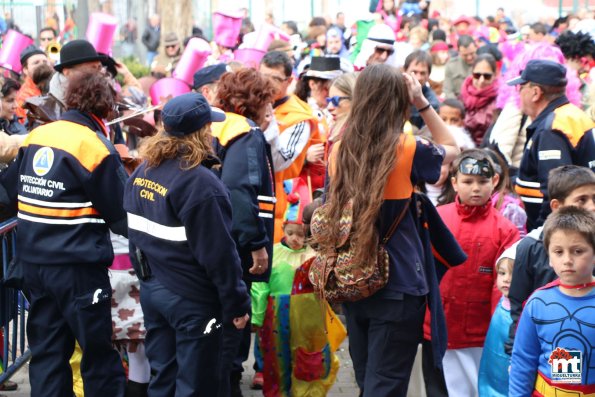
[433,377]
[68,303]
[383,339]
[235,350]
[183,343]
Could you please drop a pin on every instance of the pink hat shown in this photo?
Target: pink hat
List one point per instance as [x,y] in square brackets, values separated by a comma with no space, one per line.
[439,46]
[167,88]
[226,28]
[10,54]
[100,31]
[265,36]
[463,19]
[193,58]
[249,57]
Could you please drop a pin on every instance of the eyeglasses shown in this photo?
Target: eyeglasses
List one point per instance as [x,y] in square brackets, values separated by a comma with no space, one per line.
[335,100]
[380,50]
[276,78]
[486,76]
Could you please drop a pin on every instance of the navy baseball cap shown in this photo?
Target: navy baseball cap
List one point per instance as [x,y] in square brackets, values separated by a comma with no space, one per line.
[542,72]
[188,113]
[209,75]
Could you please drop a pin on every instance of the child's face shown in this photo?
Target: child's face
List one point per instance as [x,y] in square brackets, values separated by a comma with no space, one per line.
[295,236]
[504,277]
[474,190]
[582,197]
[571,257]
[451,116]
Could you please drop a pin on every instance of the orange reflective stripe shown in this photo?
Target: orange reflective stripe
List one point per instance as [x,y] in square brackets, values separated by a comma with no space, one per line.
[266,206]
[81,142]
[526,191]
[57,212]
[399,186]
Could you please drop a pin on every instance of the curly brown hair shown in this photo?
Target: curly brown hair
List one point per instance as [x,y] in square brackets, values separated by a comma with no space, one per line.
[91,93]
[245,92]
[192,149]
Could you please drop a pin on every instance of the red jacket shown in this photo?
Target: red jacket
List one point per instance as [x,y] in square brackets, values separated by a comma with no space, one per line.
[466,290]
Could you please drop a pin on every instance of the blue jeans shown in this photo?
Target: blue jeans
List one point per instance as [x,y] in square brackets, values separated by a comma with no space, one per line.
[150,57]
[183,343]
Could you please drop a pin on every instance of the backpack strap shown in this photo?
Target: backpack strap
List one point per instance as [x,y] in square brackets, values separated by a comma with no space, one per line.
[396,223]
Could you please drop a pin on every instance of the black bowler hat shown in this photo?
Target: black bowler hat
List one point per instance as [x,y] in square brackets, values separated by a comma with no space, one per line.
[76,52]
[188,113]
[326,68]
[542,72]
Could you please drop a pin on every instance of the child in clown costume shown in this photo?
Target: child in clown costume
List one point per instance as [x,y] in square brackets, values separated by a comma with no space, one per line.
[291,320]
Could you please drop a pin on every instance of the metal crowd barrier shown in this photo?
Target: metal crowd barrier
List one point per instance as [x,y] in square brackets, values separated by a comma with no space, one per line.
[13,306]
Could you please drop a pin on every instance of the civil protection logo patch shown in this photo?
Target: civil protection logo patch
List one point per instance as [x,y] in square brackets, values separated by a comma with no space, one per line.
[43,161]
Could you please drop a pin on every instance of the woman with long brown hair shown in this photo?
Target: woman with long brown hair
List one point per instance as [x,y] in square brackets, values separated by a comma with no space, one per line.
[179,219]
[375,166]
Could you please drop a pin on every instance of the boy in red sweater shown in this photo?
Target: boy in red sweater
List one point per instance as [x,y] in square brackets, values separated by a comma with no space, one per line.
[467,289]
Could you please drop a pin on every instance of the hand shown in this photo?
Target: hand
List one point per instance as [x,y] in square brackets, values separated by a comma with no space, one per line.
[240,322]
[122,69]
[268,116]
[416,96]
[315,153]
[260,260]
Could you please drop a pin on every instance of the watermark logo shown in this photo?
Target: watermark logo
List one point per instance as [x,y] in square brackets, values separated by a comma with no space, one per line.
[566,365]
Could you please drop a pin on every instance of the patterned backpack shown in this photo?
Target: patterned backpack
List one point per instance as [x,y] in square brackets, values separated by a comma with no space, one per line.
[334,273]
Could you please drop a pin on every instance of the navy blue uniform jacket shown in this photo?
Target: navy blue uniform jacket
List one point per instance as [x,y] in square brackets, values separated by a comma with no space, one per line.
[181,220]
[247,172]
[67,183]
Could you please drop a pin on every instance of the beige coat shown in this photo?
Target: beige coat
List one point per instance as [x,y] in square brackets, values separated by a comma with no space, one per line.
[9,146]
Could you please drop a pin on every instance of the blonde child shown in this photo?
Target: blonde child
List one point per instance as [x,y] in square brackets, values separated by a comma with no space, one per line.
[466,290]
[494,365]
[555,339]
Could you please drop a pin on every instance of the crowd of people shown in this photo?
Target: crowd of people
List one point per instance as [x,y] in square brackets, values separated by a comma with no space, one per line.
[422,185]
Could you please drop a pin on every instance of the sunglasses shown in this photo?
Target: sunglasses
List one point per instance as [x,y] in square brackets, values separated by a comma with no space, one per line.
[380,50]
[335,100]
[170,46]
[486,76]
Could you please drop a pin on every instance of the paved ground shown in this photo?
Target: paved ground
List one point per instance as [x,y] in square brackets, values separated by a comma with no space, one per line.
[343,387]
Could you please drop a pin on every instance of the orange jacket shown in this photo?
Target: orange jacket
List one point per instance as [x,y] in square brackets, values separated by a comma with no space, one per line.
[28,90]
[289,113]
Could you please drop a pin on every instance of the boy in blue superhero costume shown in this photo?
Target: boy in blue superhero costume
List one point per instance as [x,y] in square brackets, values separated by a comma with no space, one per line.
[554,342]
